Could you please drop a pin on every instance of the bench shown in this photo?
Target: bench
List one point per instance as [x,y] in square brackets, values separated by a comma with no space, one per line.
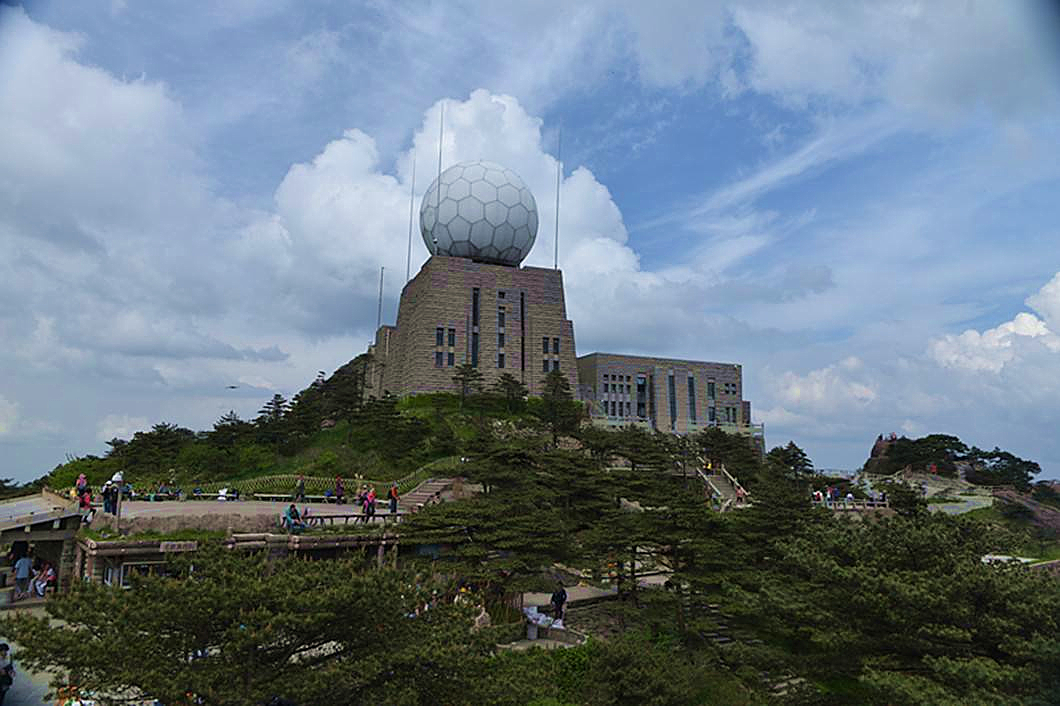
[289,498]
[353,518]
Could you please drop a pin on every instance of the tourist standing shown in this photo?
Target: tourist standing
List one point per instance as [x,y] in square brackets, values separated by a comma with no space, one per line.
[370,501]
[23,573]
[110,498]
[392,495]
[299,489]
[559,600]
[340,491]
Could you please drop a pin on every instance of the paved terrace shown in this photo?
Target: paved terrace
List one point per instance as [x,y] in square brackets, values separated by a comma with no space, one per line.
[262,515]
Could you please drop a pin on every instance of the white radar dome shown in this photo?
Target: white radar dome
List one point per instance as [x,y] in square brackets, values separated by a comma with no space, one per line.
[479,210]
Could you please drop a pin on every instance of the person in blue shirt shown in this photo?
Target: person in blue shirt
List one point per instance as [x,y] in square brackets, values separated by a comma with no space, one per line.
[23,573]
[293,520]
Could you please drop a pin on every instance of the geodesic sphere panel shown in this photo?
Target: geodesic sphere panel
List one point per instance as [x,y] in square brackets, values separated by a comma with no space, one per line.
[479,210]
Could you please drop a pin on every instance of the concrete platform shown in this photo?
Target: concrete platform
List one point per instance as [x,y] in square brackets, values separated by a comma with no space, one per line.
[249,508]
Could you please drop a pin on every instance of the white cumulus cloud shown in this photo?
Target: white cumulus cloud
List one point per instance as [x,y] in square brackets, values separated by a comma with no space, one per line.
[120,426]
[1026,337]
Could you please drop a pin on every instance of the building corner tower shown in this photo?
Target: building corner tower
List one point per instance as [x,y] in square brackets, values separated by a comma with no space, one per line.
[471,302]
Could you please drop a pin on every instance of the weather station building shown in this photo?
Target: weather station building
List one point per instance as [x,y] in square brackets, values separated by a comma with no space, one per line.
[472,302]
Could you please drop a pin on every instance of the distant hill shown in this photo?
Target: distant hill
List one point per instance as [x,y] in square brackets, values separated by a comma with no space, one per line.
[950,457]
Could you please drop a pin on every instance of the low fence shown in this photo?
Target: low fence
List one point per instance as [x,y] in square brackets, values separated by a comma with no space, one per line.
[284,484]
[853,505]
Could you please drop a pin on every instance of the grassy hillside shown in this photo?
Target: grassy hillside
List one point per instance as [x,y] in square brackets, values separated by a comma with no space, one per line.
[379,440]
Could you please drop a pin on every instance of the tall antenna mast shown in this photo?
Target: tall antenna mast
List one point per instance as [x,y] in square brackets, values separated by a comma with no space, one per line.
[379,313]
[559,174]
[438,184]
[412,199]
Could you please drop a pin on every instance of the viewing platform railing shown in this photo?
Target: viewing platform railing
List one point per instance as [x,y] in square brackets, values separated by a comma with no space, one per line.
[853,505]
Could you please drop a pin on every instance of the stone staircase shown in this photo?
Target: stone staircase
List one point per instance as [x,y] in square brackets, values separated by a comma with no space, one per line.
[428,492]
[718,632]
[724,489]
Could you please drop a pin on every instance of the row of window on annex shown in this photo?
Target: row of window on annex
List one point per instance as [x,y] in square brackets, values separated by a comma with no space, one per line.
[619,392]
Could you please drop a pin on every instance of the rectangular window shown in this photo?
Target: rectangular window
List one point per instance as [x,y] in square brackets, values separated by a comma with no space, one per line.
[672,392]
[151,568]
[629,388]
[613,412]
[437,359]
[555,345]
[642,396]
[711,415]
[500,295]
[544,365]
[628,409]
[605,388]
[544,344]
[500,360]
[474,327]
[711,392]
[692,398]
[452,359]
[555,365]
[452,337]
[500,340]
[439,336]
[500,317]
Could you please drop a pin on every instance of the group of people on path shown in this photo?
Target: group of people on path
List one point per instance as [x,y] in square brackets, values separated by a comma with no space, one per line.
[110,492]
[367,499]
[832,494]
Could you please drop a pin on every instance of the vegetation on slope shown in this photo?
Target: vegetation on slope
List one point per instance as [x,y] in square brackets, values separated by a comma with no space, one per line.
[331,428]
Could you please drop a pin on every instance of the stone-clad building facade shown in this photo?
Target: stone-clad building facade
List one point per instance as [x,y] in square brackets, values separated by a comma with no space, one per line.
[471,302]
[679,396]
[500,319]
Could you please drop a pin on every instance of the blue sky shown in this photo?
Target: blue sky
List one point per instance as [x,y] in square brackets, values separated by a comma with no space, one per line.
[857,201]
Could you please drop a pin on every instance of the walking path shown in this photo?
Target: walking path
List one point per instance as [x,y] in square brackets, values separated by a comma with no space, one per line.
[965,504]
[426,493]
